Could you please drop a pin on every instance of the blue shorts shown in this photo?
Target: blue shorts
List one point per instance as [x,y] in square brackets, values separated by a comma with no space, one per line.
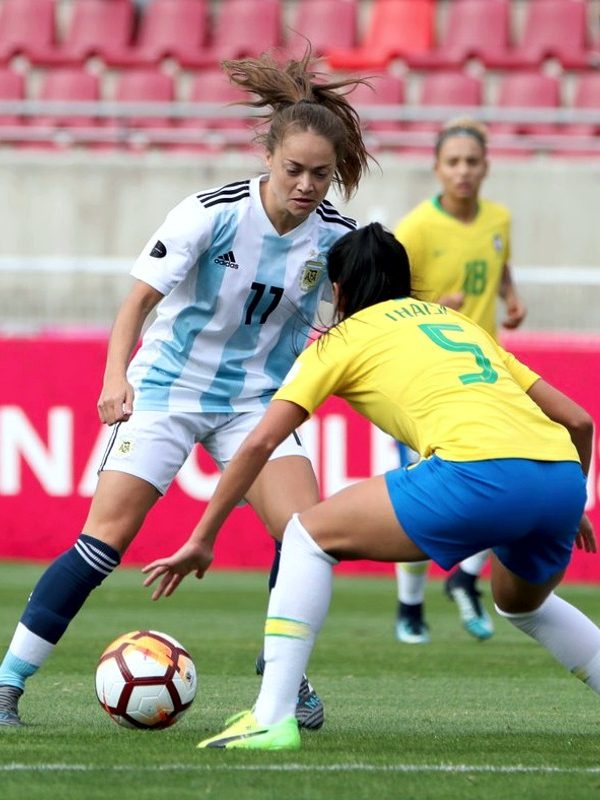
[528,512]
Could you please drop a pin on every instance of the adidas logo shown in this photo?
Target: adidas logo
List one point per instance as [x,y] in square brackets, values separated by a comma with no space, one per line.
[227,260]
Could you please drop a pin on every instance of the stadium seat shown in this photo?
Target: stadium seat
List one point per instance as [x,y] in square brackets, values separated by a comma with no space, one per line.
[100,28]
[176,29]
[586,97]
[554,29]
[145,86]
[327,24]
[386,91]
[527,90]
[241,28]
[451,89]
[68,84]
[18,37]
[396,29]
[474,29]
[213,132]
[12,87]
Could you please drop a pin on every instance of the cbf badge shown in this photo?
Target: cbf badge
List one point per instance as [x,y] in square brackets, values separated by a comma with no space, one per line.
[497,243]
[311,275]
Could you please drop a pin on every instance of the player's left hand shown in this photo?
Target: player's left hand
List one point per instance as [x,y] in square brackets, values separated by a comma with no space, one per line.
[191,557]
[586,538]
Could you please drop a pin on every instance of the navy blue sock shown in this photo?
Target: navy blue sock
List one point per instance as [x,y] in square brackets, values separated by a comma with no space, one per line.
[275,565]
[65,586]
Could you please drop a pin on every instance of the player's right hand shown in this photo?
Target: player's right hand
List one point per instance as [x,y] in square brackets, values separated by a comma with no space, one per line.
[115,403]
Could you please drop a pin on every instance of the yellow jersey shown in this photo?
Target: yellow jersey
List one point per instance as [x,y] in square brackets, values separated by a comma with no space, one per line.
[447,255]
[431,378]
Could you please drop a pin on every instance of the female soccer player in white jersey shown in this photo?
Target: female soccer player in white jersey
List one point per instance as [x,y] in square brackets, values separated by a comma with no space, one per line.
[502,450]
[459,249]
[236,274]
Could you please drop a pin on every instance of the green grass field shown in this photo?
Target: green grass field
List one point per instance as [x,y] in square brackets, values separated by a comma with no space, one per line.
[452,719]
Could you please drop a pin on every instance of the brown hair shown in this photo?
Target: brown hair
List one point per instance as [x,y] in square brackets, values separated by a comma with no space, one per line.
[301,99]
[462,126]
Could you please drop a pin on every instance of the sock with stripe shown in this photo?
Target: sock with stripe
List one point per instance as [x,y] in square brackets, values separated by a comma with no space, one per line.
[410,582]
[275,566]
[54,602]
[565,631]
[298,606]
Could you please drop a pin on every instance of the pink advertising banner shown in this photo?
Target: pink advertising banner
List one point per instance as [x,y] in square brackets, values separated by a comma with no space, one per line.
[51,442]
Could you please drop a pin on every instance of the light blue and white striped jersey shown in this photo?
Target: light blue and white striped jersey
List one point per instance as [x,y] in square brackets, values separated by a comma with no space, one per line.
[239,300]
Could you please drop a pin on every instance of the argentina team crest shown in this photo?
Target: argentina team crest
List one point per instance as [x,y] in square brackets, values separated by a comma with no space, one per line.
[312,272]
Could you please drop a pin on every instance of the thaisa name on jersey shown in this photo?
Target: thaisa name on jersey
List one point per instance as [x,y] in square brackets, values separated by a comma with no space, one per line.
[311,275]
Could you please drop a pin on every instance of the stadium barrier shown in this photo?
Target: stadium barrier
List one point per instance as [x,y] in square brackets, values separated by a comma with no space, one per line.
[51,441]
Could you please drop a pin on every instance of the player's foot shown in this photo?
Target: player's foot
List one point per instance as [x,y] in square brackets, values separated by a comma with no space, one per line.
[460,587]
[411,627]
[9,706]
[412,631]
[245,732]
[310,711]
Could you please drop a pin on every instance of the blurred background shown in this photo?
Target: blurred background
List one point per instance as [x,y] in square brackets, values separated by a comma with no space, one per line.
[111,111]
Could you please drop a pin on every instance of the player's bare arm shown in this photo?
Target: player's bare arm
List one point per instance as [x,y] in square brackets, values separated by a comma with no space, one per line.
[115,403]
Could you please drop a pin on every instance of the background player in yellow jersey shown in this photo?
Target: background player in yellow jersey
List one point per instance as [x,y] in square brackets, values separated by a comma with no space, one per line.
[503,462]
[459,249]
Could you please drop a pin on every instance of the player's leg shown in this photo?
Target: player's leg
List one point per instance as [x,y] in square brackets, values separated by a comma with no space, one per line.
[565,631]
[411,627]
[287,484]
[342,526]
[461,586]
[118,508]
[140,462]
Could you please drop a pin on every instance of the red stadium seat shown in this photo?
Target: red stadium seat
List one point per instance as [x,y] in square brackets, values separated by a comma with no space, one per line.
[242,28]
[452,89]
[101,28]
[145,85]
[213,86]
[327,24]
[175,29]
[475,29]
[527,90]
[554,29]
[68,84]
[17,34]
[587,97]
[12,87]
[387,90]
[396,29]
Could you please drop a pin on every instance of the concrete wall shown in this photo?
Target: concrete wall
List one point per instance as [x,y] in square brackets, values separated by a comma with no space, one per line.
[88,205]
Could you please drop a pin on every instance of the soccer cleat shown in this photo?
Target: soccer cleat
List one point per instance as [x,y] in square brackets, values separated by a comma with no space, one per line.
[460,587]
[9,706]
[310,711]
[246,733]
[412,631]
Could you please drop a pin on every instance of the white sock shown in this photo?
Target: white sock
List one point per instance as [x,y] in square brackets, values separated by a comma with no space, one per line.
[410,580]
[565,631]
[298,605]
[473,565]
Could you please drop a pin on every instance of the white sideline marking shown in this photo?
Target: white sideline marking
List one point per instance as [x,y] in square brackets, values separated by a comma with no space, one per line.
[433,768]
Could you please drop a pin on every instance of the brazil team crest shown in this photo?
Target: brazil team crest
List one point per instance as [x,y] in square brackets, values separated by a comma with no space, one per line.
[312,273]
[497,242]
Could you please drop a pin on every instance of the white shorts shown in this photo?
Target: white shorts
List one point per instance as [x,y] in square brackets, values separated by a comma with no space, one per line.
[153,445]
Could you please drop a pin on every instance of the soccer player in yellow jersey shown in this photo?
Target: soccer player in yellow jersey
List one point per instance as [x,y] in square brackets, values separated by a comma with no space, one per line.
[503,462]
[459,249]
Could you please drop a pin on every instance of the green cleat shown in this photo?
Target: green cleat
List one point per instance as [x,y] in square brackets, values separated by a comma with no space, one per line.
[244,732]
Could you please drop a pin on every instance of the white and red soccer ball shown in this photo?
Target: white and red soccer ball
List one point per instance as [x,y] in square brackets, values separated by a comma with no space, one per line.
[145,679]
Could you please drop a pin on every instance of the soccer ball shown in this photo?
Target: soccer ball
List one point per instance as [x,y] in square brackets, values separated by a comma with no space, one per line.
[145,679]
